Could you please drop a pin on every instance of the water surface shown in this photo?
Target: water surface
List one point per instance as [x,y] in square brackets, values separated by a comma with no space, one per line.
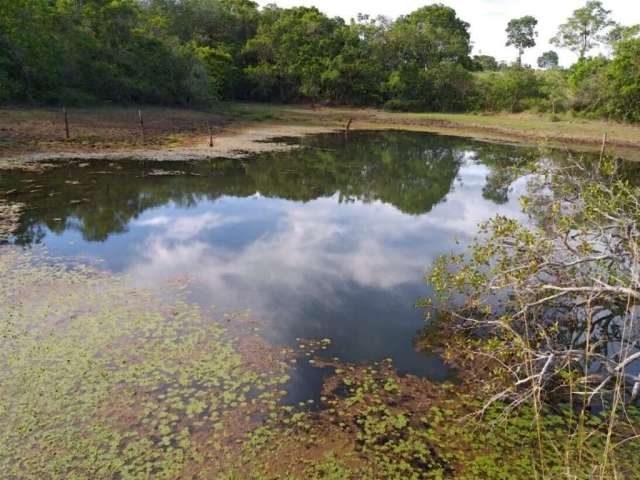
[328,241]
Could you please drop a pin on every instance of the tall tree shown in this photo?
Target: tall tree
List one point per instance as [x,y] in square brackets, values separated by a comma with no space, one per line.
[291,51]
[522,33]
[430,35]
[621,33]
[30,58]
[430,50]
[548,60]
[583,30]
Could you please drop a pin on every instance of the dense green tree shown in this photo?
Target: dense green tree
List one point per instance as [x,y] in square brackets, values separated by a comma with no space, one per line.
[556,89]
[292,49]
[217,31]
[431,35]
[431,49]
[548,60]
[208,21]
[521,34]
[623,79]
[30,58]
[96,50]
[354,75]
[583,30]
[588,82]
[485,63]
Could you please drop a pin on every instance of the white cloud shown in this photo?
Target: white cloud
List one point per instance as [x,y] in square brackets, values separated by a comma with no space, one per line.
[312,249]
[156,221]
[488,18]
[188,227]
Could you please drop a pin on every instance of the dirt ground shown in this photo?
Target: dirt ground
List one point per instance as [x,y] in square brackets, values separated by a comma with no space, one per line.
[28,136]
[233,130]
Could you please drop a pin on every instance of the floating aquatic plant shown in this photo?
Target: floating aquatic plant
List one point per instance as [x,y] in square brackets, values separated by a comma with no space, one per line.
[100,380]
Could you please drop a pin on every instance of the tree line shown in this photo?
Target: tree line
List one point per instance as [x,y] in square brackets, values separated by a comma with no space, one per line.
[195,52]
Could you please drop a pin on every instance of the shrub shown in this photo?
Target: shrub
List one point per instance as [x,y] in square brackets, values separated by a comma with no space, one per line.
[398,105]
[623,77]
[512,90]
[588,82]
[555,89]
[441,87]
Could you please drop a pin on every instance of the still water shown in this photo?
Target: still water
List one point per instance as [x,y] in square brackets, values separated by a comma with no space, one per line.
[331,240]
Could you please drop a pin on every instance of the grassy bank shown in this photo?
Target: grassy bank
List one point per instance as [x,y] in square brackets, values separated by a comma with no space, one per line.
[117,129]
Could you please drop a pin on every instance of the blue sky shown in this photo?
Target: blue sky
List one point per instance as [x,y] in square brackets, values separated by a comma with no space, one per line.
[488,18]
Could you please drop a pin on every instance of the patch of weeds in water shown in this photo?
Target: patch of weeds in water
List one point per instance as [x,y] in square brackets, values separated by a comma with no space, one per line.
[100,380]
[330,468]
[377,424]
[369,433]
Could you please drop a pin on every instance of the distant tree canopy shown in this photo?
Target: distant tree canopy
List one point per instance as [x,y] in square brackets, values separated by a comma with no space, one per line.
[292,52]
[195,52]
[548,59]
[486,63]
[521,34]
[621,33]
[428,58]
[583,30]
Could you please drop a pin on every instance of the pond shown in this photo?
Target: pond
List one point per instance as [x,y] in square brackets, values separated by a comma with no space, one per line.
[330,240]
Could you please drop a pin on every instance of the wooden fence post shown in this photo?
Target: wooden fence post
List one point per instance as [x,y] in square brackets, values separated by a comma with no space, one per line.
[210,136]
[141,123]
[346,129]
[604,146]
[66,123]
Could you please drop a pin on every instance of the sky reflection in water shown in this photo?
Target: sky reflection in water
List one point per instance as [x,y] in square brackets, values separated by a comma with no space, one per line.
[330,241]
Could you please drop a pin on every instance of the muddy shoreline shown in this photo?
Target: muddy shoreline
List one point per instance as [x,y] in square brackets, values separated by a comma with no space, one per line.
[28,136]
[235,142]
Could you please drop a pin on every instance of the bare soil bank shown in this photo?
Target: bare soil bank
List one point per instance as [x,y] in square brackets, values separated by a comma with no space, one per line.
[234,130]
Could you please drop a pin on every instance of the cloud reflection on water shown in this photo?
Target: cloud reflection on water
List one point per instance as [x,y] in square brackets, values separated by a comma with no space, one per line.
[332,240]
[318,253]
